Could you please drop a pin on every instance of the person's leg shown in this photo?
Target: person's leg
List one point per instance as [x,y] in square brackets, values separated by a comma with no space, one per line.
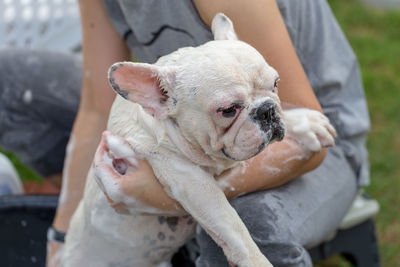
[39,97]
[287,220]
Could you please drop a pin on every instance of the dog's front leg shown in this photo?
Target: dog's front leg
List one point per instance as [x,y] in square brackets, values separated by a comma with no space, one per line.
[310,128]
[199,194]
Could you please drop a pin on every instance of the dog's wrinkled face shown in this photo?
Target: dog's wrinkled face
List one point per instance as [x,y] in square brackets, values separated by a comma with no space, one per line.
[229,103]
[222,95]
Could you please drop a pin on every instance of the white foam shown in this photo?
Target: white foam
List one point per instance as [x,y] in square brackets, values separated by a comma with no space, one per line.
[121,150]
[27,97]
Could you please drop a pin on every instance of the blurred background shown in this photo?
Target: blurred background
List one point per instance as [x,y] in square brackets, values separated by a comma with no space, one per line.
[373,29]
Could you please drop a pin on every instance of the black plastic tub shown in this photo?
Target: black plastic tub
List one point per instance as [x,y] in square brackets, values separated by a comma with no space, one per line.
[24,220]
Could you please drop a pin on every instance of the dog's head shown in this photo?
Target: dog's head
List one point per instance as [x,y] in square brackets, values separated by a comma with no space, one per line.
[221,95]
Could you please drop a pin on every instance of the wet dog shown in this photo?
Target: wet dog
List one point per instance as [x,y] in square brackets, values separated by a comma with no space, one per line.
[192,115]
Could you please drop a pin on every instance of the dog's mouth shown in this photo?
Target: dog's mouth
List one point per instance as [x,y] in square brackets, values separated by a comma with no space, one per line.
[227,155]
[277,136]
[261,148]
[271,132]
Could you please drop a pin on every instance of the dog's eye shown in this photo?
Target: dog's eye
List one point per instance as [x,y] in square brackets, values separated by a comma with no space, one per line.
[275,90]
[229,112]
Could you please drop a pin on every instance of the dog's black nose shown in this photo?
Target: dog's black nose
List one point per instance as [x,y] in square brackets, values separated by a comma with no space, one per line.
[269,120]
[265,112]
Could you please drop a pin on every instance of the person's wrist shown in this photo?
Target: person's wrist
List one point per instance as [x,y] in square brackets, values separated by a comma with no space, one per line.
[61,219]
[55,235]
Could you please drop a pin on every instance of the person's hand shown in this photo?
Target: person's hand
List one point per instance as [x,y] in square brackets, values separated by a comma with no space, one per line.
[54,251]
[128,181]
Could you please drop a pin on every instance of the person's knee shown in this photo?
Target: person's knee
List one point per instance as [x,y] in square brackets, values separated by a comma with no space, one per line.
[211,255]
[271,230]
[279,250]
[262,216]
[285,253]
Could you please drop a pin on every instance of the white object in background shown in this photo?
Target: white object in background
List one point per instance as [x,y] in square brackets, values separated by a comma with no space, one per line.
[40,24]
[9,179]
[362,209]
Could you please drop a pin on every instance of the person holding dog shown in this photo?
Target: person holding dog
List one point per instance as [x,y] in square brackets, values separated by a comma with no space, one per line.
[288,201]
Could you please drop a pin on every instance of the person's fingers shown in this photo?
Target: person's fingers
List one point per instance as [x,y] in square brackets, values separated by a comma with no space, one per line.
[114,156]
[104,172]
[54,250]
[121,208]
[103,162]
[119,148]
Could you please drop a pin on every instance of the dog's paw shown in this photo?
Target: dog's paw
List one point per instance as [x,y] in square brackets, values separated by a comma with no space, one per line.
[310,128]
[114,158]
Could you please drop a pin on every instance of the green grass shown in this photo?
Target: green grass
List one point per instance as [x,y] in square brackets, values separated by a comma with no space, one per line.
[375,37]
[24,172]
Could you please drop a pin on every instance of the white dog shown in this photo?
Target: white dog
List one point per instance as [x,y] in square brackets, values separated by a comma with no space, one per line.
[201,111]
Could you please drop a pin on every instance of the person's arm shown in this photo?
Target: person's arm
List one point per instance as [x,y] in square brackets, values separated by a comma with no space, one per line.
[102,46]
[259,23]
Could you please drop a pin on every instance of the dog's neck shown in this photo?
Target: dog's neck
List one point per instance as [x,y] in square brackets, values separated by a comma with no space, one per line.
[192,152]
[189,150]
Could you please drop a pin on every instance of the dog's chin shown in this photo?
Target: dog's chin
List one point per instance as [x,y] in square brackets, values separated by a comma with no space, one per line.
[241,158]
[270,136]
[249,155]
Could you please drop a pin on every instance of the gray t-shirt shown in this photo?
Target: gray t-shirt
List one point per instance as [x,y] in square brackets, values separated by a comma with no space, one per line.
[154,28]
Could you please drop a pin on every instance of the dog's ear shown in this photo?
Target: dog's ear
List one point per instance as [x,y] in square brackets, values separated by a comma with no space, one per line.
[222,28]
[142,83]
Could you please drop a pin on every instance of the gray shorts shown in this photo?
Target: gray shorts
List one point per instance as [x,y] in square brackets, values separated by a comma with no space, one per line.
[39,97]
